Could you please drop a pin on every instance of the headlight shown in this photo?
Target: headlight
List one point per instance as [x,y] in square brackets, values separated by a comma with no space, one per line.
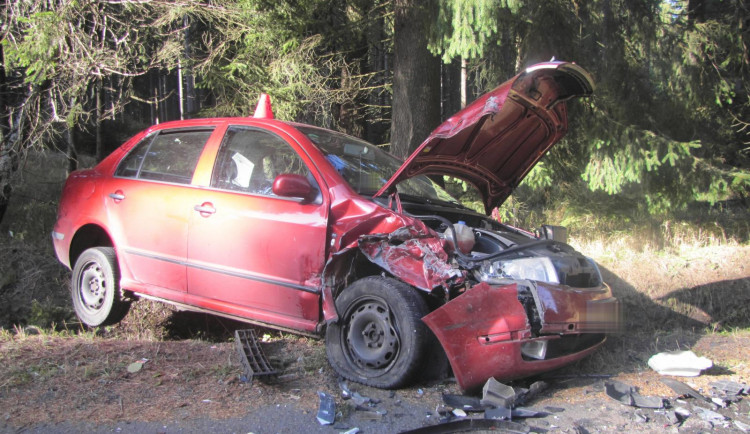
[538,268]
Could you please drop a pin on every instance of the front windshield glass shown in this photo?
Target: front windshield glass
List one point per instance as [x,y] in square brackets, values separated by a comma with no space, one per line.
[367,168]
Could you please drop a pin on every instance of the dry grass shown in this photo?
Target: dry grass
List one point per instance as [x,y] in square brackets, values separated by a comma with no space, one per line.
[85,377]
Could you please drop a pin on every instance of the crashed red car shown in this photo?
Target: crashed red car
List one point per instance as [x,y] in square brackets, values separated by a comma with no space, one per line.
[308,230]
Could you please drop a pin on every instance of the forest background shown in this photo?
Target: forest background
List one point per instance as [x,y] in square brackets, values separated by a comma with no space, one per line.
[668,127]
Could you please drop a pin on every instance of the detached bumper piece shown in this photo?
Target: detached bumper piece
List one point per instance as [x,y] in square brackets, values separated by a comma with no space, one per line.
[485,333]
[252,358]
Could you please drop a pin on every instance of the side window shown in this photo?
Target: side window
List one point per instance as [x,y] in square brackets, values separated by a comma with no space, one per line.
[249,160]
[170,156]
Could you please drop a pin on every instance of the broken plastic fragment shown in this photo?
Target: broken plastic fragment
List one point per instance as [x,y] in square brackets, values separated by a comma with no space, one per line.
[683,389]
[640,417]
[359,399]
[497,394]
[720,402]
[499,413]
[730,387]
[684,413]
[345,392]
[327,410]
[627,395]
[254,362]
[679,363]
[522,413]
[672,418]
[458,412]
[525,395]
[709,415]
[466,403]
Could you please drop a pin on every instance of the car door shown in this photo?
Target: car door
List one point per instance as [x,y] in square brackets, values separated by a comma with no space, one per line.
[149,203]
[252,253]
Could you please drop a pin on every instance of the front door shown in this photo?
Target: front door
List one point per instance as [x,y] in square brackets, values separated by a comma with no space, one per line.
[250,252]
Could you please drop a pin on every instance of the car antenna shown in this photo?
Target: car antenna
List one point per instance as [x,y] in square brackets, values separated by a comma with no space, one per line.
[263,109]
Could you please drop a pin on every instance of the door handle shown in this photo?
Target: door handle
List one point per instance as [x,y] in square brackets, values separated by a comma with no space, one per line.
[206,209]
[117,196]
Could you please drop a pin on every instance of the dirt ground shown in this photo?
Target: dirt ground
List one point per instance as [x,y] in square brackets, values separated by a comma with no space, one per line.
[71,384]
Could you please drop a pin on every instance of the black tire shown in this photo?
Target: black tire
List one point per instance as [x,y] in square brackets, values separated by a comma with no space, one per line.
[380,339]
[95,288]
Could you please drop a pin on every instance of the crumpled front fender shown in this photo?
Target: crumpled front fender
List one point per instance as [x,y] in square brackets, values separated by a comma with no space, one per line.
[472,327]
[417,258]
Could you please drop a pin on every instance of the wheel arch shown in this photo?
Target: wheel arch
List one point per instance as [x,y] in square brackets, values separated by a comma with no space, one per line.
[351,265]
[86,237]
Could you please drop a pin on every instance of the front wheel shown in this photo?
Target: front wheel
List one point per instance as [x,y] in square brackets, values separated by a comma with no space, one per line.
[380,339]
[95,288]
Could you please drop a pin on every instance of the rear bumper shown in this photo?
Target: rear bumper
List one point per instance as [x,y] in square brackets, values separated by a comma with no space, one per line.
[483,331]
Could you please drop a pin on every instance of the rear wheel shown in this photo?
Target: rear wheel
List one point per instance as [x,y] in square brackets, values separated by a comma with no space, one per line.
[95,288]
[380,339]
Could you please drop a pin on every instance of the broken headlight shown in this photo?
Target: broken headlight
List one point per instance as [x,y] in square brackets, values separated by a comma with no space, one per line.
[538,268]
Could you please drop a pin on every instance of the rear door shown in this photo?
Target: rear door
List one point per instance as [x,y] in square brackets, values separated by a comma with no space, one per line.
[149,203]
[250,252]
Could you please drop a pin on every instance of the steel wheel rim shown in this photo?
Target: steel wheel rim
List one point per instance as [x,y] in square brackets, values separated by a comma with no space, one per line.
[370,336]
[92,287]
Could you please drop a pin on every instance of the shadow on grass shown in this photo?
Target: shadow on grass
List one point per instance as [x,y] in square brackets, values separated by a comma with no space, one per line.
[676,321]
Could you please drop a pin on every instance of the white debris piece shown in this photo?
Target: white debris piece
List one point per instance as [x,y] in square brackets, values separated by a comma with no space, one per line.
[679,363]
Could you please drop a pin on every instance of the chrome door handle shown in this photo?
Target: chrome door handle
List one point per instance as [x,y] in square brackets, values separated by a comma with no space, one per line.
[205,208]
[117,196]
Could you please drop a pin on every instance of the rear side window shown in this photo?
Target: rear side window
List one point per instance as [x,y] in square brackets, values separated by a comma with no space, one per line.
[170,156]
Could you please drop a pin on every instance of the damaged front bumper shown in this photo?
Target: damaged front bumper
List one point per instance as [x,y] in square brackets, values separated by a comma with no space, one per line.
[488,331]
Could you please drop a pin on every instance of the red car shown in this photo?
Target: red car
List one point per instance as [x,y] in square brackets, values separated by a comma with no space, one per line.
[308,230]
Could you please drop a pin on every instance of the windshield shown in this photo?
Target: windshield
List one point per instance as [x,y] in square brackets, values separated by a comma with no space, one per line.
[367,168]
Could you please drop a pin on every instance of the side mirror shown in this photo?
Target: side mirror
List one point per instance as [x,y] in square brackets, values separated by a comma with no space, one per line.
[292,185]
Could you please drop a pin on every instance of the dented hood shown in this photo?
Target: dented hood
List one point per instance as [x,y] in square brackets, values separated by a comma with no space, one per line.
[496,140]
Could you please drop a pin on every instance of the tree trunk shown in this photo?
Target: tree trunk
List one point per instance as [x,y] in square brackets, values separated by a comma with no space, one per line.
[6,163]
[416,77]
[99,112]
[72,154]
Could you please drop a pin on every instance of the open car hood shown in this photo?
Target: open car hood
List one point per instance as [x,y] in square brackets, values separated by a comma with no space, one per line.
[497,139]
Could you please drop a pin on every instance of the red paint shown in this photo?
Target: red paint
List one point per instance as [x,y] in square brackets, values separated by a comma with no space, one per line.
[483,329]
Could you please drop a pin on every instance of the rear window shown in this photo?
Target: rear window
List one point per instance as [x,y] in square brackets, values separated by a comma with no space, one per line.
[168,156]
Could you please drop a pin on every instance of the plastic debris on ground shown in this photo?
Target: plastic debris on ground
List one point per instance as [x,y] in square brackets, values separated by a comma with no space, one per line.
[628,395]
[359,399]
[742,426]
[345,392]
[253,360]
[731,388]
[672,417]
[466,403]
[679,363]
[683,389]
[498,413]
[327,409]
[497,394]
[709,415]
[458,412]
